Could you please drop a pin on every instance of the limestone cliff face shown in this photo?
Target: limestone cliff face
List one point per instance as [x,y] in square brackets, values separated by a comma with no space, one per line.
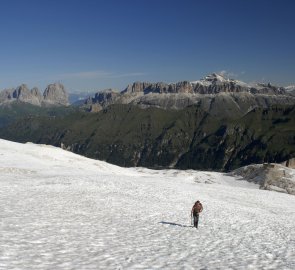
[105,97]
[160,88]
[33,96]
[36,96]
[101,100]
[214,91]
[23,94]
[6,95]
[211,84]
[269,176]
[54,94]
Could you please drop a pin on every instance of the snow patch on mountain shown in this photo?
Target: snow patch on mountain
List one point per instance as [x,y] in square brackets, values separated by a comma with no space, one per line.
[290,88]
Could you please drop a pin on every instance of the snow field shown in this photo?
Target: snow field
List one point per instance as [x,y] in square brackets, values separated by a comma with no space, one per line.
[62,211]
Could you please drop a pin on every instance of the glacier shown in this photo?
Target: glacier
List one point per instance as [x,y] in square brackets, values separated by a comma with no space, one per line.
[60,210]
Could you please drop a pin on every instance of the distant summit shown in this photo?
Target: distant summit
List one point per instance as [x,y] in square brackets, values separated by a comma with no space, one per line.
[54,95]
[211,84]
[213,89]
[212,78]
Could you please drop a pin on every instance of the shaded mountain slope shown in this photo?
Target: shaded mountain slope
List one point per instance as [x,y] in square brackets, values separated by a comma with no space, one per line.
[127,135]
[13,111]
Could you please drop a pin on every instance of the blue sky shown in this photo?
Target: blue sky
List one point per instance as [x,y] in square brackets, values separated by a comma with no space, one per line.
[90,45]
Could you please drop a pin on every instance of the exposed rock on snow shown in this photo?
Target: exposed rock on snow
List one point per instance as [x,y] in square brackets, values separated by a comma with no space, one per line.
[269,176]
[289,163]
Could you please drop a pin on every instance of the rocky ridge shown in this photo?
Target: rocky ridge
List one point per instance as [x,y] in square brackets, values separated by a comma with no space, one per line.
[54,95]
[269,176]
[204,92]
[211,84]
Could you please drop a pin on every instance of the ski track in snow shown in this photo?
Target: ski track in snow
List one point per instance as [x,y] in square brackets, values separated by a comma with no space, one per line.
[62,211]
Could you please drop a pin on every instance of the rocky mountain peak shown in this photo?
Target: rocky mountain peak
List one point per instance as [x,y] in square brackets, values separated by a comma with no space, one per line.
[21,92]
[182,94]
[214,77]
[105,96]
[35,91]
[56,94]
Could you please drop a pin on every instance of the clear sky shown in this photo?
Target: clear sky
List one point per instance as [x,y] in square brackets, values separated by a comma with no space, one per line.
[92,45]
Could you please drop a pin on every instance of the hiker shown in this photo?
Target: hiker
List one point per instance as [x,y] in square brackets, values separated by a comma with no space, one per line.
[196,210]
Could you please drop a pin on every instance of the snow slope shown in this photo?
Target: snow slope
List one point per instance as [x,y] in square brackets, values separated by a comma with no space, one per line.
[59,210]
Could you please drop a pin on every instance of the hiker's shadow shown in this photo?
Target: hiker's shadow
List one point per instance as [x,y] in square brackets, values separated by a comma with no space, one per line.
[176,224]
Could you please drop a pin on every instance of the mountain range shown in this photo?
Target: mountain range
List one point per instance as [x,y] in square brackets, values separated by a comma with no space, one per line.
[162,95]
[213,124]
[54,95]
[207,93]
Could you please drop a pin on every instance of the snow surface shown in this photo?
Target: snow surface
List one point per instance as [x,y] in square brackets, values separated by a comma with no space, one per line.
[217,79]
[290,88]
[59,210]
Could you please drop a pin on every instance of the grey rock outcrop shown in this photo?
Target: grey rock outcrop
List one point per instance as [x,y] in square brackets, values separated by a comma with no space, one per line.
[102,99]
[105,97]
[6,95]
[229,103]
[160,88]
[211,84]
[33,96]
[210,92]
[289,163]
[23,94]
[271,176]
[55,94]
